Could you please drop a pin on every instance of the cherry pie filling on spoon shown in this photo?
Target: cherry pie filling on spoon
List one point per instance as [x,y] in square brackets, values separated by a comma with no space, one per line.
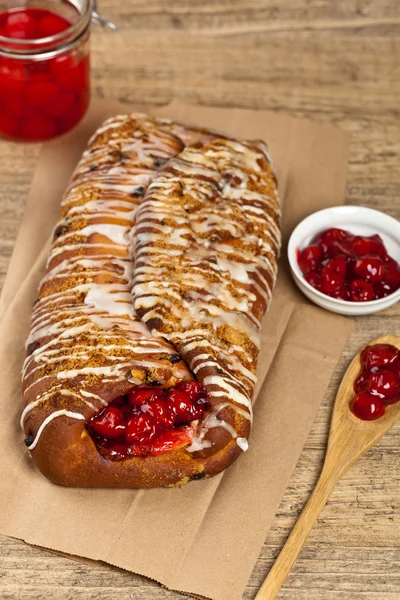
[378,384]
[149,421]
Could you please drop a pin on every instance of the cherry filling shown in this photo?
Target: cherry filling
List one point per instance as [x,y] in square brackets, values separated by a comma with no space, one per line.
[378,384]
[349,267]
[148,421]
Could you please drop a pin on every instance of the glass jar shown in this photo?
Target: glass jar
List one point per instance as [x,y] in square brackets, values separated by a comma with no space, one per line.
[44,67]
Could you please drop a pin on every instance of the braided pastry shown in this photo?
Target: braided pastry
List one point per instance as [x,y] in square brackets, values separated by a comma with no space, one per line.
[141,359]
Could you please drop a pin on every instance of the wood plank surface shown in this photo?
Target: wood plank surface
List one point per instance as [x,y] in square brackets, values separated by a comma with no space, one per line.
[330,60]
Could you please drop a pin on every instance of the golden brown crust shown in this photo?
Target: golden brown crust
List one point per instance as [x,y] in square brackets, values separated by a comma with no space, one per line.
[68,456]
[87,346]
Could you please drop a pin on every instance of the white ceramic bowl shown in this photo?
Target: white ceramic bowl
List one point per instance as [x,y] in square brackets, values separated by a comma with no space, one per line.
[359,221]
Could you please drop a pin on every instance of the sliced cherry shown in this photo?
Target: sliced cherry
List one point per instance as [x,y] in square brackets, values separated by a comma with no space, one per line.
[109,423]
[171,440]
[370,268]
[310,258]
[361,384]
[379,355]
[141,428]
[367,407]
[139,396]
[361,291]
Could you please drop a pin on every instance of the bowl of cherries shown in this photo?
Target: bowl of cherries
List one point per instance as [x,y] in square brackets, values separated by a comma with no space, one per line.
[346,259]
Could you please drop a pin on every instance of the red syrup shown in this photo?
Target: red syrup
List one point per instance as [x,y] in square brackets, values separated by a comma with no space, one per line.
[148,421]
[349,267]
[378,384]
[44,96]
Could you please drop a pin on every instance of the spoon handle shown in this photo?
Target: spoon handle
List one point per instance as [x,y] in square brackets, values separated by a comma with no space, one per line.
[289,553]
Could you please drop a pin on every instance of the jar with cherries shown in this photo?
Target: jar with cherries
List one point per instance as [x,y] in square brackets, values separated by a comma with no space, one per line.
[44,67]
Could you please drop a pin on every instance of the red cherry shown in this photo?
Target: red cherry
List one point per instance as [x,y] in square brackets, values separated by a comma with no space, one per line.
[51,24]
[42,94]
[139,396]
[66,122]
[75,79]
[385,384]
[171,440]
[379,355]
[12,79]
[9,125]
[343,293]
[109,423]
[180,407]
[329,236]
[314,279]
[361,291]
[373,245]
[391,274]
[382,290]
[62,105]
[310,258]
[141,428]
[367,407]
[333,274]
[38,127]
[62,63]
[37,71]
[19,107]
[193,389]
[362,382]
[158,409]
[20,25]
[369,268]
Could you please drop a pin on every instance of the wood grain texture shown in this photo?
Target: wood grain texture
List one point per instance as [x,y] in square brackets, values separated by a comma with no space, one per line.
[335,61]
[349,439]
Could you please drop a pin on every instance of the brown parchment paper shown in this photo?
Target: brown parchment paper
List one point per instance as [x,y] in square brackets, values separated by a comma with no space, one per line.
[204,538]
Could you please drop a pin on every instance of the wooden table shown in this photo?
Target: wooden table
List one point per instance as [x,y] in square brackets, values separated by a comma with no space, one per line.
[329,60]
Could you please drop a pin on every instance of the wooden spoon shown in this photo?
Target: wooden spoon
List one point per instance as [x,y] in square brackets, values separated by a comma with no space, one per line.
[349,438]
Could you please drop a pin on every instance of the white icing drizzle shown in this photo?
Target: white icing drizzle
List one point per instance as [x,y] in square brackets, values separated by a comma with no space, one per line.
[54,415]
[83,325]
[242,443]
[206,241]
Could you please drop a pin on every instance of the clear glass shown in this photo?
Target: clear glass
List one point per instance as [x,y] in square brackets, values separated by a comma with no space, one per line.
[44,78]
